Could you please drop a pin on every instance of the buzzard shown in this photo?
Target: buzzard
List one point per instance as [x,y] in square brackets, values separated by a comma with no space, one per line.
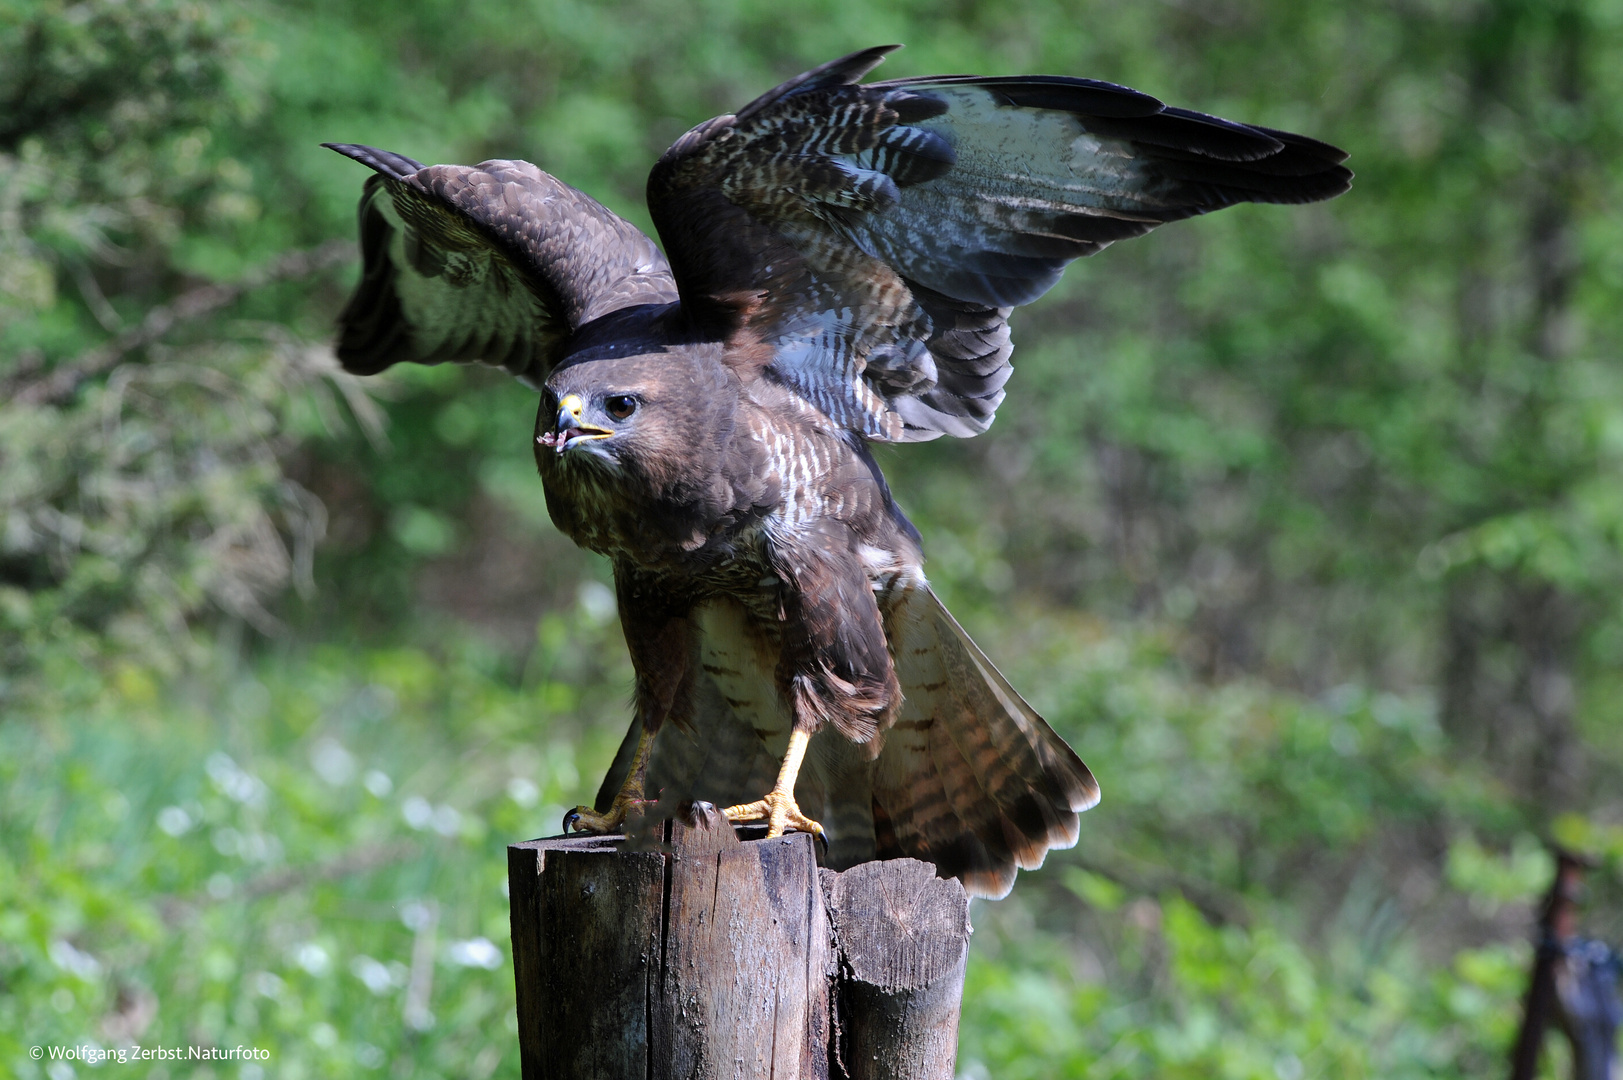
[841,259]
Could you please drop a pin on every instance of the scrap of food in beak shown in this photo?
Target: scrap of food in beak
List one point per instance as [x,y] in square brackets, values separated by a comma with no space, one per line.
[570,429]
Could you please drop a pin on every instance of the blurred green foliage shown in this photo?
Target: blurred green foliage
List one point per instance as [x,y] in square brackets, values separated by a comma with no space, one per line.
[305,857]
[1302,524]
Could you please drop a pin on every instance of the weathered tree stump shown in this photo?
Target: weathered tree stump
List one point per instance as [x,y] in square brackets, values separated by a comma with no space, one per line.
[715,957]
[903,937]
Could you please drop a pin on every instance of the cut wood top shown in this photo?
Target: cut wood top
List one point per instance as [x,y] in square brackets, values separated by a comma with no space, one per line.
[899,926]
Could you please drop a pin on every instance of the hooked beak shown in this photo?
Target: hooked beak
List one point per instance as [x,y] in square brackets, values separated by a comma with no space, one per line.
[570,430]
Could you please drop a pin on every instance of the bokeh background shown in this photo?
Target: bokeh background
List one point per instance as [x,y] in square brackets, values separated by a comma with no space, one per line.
[1304,525]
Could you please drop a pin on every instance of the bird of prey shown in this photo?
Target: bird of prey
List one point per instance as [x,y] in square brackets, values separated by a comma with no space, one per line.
[841,259]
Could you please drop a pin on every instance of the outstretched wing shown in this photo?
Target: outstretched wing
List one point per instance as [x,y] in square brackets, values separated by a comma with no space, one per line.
[874,238]
[496,262]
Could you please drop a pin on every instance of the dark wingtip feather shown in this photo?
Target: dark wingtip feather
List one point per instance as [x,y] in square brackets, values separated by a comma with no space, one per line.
[842,72]
[1323,151]
[1233,162]
[1063,93]
[1067,94]
[385,162]
[1189,132]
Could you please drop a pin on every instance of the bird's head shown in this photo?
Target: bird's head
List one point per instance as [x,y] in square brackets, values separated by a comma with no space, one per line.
[642,416]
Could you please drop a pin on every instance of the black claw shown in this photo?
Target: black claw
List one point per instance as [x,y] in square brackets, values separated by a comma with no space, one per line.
[570,819]
[822,841]
[696,812]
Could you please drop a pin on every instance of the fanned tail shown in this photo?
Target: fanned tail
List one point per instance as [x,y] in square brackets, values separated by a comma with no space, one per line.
[971,778]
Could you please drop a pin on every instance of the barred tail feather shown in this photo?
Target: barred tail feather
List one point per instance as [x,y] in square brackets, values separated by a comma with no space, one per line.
[971,777]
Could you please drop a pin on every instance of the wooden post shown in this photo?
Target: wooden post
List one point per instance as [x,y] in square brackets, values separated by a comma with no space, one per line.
[903,937]
[746,958]
[711,957]
[586,937]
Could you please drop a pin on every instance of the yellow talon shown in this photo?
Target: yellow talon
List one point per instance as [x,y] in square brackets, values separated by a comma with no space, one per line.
[629,800]
[778,808]
[585,819]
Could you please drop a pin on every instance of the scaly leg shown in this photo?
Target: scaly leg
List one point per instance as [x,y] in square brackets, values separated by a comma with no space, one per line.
[778,809]
[630,797]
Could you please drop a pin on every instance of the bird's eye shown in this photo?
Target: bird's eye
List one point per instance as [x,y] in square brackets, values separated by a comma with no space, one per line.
[619,406]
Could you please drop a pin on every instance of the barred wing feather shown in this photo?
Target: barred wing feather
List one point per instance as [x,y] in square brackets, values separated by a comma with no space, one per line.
[496,263]
[873,238]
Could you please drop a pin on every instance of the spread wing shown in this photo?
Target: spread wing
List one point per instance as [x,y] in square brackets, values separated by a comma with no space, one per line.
[497,263]
[872,239]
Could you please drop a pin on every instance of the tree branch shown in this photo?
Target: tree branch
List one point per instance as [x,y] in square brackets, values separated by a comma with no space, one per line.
[65,379]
